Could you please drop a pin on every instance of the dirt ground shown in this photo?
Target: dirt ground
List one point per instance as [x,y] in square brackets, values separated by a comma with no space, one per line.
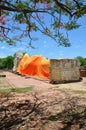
[41,84]
[46,107]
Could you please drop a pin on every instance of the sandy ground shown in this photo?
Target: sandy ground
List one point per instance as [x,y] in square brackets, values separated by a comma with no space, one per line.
[41,84]
[43,92]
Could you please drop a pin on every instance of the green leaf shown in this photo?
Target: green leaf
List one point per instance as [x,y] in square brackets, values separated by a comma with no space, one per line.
[72,25]
[20,5]
[33,25]
[19,16]
[62,41]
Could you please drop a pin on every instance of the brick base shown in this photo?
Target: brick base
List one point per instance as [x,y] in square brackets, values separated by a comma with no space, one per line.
[83,72]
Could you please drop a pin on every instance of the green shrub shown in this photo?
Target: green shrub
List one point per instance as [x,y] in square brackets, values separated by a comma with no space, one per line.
[6,63]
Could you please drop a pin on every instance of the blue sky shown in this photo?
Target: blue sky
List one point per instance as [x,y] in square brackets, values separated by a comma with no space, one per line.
[45,46]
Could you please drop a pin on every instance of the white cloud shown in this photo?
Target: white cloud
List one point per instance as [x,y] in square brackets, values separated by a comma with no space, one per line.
[16,49]
[3,47]
[61,53]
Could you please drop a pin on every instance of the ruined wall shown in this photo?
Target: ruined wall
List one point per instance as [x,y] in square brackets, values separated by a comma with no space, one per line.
[17,60]
[64,70]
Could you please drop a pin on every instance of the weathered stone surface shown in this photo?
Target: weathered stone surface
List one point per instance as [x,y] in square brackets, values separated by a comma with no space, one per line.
[17,60]
[64,70]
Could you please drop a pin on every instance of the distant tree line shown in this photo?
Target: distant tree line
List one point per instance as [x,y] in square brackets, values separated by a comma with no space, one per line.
[82,61]
[6,63]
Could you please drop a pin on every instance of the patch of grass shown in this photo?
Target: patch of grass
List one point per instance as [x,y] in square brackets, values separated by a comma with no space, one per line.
[71,90]
[6,89]
[22,90]
[63,89]
[7,92]
[80,91]
[84,128]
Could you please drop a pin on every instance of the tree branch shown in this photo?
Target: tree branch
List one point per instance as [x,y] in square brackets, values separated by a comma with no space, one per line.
[77,3]
[83,9]
[21,10]
[64,7]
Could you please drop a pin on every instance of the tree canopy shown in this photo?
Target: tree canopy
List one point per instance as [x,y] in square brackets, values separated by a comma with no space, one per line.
[54,18]
[82,61]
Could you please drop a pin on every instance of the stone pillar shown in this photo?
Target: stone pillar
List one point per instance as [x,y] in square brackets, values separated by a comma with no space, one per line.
[64,70]
[17,60]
